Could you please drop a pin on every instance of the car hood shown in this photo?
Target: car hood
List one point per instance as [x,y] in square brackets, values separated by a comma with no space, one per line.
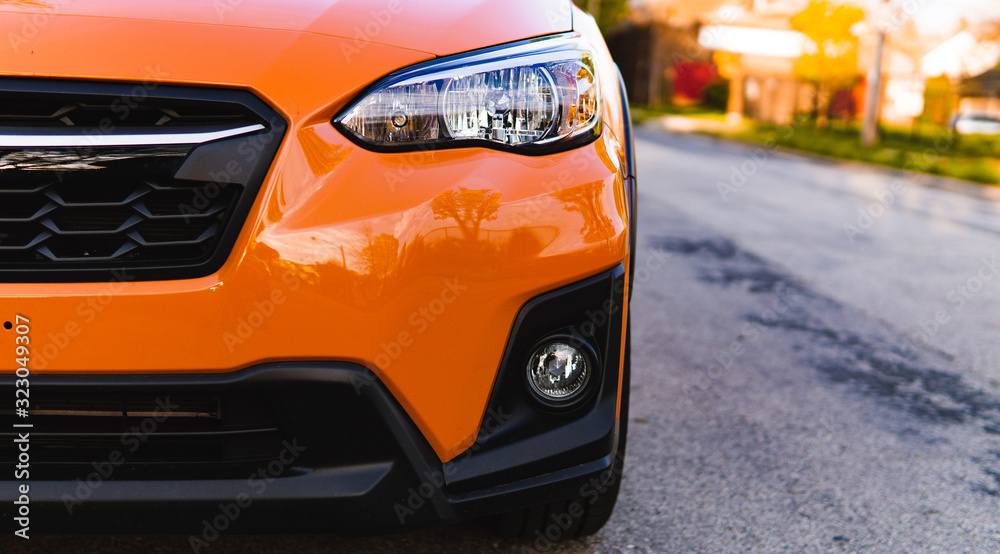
[437,27]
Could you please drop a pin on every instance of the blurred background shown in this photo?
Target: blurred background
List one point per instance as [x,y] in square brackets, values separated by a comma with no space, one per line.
[911,84]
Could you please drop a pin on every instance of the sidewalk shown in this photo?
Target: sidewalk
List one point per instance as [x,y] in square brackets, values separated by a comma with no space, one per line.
[684,124]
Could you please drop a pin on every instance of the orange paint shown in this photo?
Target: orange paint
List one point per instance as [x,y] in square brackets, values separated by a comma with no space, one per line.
[413,265]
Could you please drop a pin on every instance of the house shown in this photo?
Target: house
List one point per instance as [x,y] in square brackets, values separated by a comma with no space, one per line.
[667,52]
[981,93]
[654,48]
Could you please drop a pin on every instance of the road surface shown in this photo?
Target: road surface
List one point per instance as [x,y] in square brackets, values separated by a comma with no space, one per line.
[816,368]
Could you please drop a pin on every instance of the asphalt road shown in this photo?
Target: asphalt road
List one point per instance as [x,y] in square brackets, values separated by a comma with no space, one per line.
[806,378]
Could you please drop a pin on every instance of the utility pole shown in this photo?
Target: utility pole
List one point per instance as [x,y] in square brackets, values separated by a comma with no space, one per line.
[873,95]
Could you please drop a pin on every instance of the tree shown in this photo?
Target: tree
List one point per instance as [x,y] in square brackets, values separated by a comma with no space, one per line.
[730,67]
[991,31]
[607,12]
[586,200]
[830,60]
[469,208]
[379,254]
[940,100]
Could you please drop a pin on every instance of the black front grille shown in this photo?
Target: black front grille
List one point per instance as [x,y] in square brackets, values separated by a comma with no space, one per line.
[96,179]
[145,436]
[58,110]
[202,426]
[139,215]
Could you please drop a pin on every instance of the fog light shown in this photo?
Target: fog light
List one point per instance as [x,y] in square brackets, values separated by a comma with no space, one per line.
[559,371]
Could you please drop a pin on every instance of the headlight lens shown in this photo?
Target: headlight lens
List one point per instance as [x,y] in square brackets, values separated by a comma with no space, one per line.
[535,97]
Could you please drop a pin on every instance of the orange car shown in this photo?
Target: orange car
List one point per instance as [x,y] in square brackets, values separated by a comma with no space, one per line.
[350,266]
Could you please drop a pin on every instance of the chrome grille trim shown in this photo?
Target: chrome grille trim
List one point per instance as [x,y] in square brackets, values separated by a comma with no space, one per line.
[9,140]
[98,184]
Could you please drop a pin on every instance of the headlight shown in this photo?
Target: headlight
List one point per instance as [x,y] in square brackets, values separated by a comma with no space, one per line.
[535,97]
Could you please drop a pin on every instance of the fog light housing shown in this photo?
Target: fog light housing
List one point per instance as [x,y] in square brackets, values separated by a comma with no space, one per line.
[559,371]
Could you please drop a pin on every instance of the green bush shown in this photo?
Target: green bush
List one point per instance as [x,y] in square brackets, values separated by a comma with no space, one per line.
[927,149]
[717,95]
[980,172]
[978,146]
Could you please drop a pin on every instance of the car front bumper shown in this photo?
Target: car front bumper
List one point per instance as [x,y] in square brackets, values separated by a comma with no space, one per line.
[314,446]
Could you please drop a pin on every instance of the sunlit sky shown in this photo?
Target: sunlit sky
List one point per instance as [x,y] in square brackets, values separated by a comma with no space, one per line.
[935,16]
[932,16]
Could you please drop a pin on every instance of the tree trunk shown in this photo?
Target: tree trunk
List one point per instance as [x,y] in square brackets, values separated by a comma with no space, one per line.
[655,90]
[734,112]
[823,98]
